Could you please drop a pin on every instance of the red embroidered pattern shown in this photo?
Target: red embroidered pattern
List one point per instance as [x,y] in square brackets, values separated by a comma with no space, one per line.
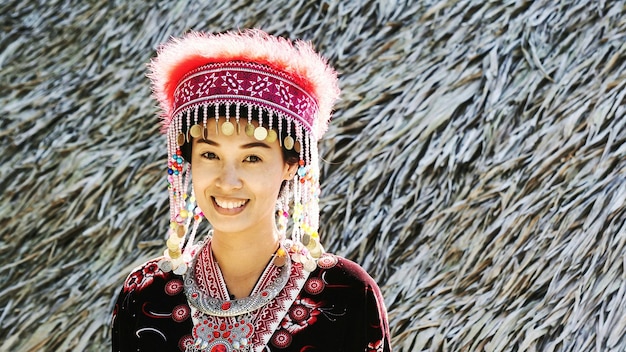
[245,83]
[270,316]
[314,286]
[180,313]
[143,277]
[174,287]
[185,341]
[327,261]
[212,285]
[281,339]
[302,313]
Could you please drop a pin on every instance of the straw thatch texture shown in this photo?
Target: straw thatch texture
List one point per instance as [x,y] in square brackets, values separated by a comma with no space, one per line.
[476,165]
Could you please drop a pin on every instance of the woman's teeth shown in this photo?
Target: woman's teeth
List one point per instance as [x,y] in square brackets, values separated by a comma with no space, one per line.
[229,204]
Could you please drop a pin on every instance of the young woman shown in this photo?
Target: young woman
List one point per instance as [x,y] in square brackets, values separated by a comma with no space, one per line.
[243,113]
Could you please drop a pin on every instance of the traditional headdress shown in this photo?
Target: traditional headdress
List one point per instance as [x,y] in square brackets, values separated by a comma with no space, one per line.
[286,87]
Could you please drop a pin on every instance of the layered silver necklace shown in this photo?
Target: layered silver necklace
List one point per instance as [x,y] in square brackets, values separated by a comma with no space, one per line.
[228,325]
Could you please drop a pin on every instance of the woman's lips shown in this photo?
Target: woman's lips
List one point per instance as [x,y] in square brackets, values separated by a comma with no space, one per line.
[229,206]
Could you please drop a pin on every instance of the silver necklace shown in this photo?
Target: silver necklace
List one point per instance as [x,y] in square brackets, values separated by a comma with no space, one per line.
[236,307]
[224,334]
[209,332]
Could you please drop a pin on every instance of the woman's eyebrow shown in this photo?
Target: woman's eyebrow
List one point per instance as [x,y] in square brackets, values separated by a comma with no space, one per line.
[255,144]
[244,146]
[208,141]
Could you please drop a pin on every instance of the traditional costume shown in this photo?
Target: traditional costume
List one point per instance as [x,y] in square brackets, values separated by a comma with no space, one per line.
[305,299]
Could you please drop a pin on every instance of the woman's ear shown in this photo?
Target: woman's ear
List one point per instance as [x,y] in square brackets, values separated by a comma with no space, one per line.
[290,171]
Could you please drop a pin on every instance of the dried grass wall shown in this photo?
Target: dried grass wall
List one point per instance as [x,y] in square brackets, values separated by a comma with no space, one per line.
[475,166]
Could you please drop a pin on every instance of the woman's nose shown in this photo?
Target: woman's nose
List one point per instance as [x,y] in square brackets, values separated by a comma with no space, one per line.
[229,178]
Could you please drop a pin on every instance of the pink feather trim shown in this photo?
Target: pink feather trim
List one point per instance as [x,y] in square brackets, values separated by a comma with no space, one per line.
[298,60]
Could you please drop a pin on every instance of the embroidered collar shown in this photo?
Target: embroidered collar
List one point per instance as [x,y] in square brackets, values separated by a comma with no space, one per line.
[263,293]
[221,324]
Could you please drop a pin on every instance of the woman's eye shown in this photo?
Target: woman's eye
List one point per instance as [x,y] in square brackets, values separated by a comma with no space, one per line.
[209,155]
[252,159]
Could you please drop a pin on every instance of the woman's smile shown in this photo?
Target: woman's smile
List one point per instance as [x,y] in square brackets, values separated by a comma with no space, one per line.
[229,206]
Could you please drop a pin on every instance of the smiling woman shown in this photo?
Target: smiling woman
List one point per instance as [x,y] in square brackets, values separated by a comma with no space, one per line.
[243,113]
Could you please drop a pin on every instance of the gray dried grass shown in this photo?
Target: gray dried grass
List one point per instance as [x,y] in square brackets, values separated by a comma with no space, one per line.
[475,165]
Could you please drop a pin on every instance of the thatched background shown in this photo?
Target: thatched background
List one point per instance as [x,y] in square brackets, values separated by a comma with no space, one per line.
[476,164]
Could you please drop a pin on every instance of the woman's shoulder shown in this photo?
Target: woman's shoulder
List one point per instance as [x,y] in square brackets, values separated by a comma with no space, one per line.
[148,274]
[336,265]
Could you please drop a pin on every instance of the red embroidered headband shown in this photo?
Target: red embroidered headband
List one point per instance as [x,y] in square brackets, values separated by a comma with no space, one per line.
[248,84]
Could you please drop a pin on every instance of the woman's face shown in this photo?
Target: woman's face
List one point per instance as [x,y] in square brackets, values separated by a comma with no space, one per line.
[236,180]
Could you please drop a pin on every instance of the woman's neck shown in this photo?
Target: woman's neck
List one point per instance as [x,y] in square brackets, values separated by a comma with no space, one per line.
[242,259]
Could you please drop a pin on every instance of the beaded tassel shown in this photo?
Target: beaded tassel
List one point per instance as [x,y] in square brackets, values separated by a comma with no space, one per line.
[183,208]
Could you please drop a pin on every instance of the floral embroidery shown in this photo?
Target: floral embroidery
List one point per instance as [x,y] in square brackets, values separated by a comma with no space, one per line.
[180,313]
[302,313]
[174,287]
[134,280]
[143,277]
[185,341]
[327,261]
[281,339]
[314,286]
